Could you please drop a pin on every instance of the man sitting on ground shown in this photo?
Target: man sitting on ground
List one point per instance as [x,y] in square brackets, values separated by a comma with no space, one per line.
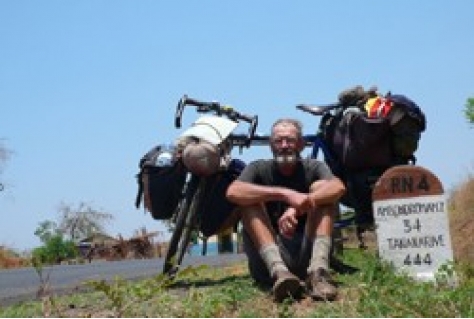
[287,206]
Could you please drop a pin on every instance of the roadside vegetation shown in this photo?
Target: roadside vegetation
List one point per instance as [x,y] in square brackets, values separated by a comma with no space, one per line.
[372,291]
[60,239]
[461,219]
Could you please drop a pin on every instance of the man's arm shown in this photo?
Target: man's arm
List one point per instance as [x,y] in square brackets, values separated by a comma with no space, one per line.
[245,194]
[326,191]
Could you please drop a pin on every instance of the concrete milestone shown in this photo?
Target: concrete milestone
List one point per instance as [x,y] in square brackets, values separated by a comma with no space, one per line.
[410,213]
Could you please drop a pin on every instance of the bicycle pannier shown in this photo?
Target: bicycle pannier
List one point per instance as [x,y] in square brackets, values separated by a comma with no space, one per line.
[359,142]
[160,182]
[407,122]
[217,209]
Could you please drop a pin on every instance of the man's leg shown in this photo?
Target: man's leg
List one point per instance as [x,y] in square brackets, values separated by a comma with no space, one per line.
[257,268]
[318,236]
[259,229]
[289,251]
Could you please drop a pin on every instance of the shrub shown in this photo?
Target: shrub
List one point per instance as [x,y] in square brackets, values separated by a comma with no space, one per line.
[55,250]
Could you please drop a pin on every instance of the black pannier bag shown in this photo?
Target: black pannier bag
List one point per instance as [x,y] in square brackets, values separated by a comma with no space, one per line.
[407,122]
[371,134]
[160,182]
[357,142]
[386,133]
[365,142]
[216,208]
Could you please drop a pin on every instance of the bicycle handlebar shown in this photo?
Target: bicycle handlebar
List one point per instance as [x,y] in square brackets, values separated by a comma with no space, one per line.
[219,110]
[318,110]
[263,140]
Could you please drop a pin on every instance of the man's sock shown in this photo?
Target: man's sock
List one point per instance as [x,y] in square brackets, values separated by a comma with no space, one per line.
[272,258]
[321,252]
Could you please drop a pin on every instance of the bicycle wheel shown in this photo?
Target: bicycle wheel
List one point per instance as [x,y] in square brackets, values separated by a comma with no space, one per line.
[186,223]
[169,266]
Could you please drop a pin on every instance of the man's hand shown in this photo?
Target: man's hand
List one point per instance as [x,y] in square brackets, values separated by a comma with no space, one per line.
[288,222]
[300,201]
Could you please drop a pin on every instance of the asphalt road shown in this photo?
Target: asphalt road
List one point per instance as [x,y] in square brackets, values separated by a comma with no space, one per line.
[22,284]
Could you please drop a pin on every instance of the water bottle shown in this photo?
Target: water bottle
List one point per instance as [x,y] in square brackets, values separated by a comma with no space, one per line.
[166,157]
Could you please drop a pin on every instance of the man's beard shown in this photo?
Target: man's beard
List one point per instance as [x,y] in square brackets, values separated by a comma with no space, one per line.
[288,158]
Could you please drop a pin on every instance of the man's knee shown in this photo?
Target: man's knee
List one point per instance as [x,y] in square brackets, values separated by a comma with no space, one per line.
[327,210]
[252,211]
[320,221]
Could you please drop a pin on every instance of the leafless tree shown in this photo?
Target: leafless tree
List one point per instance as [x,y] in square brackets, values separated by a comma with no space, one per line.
[82,221]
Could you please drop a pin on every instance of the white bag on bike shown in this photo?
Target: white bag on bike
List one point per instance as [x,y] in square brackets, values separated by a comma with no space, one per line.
[212,129]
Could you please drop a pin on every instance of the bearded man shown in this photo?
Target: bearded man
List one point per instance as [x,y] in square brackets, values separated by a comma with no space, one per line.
[287,205]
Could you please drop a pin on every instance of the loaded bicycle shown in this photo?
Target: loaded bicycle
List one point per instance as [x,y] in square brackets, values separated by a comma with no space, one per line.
[361,136]
[205,151]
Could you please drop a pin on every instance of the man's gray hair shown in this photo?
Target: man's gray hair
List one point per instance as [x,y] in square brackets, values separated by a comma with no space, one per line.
[297,124]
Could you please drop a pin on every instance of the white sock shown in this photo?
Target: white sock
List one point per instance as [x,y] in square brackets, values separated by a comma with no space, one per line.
[272,258]
[320,255]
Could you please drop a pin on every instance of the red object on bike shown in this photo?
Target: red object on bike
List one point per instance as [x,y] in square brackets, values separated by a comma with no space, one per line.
[378,107]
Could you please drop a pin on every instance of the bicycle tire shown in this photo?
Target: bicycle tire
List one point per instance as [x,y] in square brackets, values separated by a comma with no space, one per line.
[169,266]
[185,225]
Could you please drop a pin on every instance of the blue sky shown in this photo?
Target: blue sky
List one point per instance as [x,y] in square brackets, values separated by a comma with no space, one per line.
[86,87]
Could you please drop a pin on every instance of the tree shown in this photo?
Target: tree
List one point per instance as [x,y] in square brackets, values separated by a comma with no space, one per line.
[469,110]
[60,239]
[82,221]
[46,230]
[55,248]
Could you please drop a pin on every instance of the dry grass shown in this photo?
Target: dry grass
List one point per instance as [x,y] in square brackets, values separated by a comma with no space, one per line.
[9,259]
[461,217]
